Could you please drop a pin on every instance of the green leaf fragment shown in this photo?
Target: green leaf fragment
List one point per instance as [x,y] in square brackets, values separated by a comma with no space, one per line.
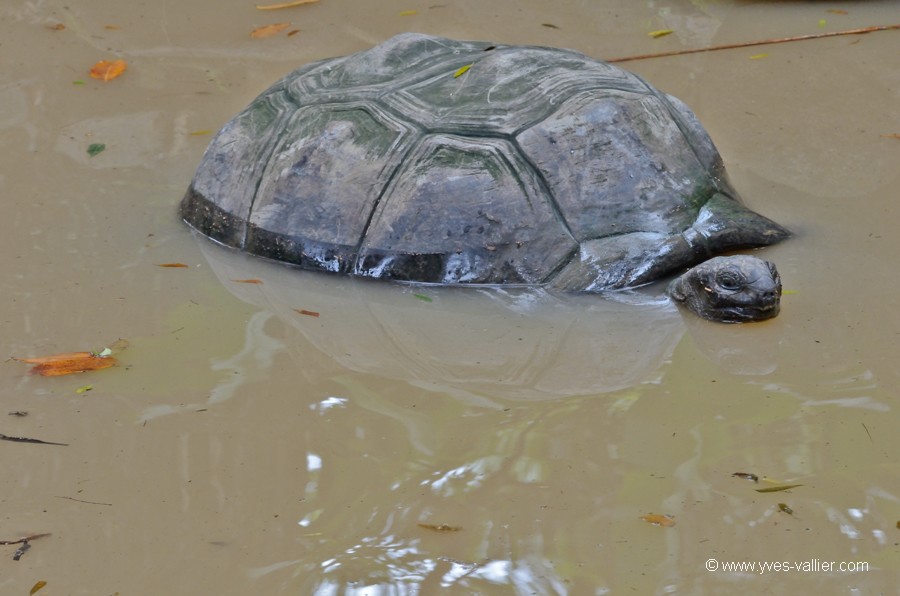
[96,148]
[423,297]
[84,389]
[462,70]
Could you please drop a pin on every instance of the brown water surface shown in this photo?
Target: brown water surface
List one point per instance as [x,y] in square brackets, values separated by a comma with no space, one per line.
[242,447]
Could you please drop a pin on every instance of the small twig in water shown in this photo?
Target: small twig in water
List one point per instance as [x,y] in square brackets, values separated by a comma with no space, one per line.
[25,539]
[28,440]
[748,44]
[866,428]
[83,501]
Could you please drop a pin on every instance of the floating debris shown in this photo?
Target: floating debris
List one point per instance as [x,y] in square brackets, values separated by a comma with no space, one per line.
[107,70]
[778,488]
[664,520]
[746,476]
[440,527]
[284,5]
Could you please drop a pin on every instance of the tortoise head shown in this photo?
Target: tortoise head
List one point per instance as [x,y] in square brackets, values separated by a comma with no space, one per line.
[732,289]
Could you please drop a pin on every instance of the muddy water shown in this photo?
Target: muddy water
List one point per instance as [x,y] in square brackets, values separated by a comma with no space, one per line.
[242,447]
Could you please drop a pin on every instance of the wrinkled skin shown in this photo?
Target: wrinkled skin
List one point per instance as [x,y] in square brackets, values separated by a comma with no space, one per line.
[734,289]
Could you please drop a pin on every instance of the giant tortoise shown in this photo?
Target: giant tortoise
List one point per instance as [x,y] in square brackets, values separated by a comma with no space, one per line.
[425,159]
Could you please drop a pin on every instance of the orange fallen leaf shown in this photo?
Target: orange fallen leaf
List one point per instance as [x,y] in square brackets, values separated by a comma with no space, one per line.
[269,30]
[54,358]
[836,11]
[892,136]
[56,27]
[111,27]
[284,4]
[37,587]
[171,265]
[309,313]
[666,521]
[247,281]
[107,70]
[68,363]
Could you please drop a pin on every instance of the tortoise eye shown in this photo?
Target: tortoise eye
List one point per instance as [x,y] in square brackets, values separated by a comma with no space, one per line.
[730,280]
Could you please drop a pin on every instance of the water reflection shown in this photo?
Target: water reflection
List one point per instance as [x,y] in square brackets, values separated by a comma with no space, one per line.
[542,426]
[512,343]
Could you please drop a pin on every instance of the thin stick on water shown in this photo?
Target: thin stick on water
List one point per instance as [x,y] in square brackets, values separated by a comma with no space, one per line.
[762,42]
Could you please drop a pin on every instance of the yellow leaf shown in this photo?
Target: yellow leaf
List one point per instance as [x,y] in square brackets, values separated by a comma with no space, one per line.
[197,133]
[822,22]
[660,33]
[775,489]
[462,70]
[408,13]
[37,587]
[269,30]
[758,56]
[284,5]
[107,70]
